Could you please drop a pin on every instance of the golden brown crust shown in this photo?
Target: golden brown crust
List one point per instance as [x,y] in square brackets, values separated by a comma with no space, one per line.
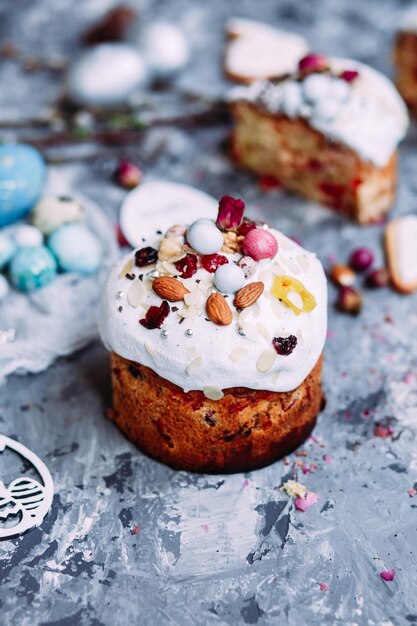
[405,62]
[305,161]
[391,249]
[245,430]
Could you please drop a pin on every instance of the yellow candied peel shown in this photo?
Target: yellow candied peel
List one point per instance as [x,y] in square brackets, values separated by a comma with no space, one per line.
[283,286]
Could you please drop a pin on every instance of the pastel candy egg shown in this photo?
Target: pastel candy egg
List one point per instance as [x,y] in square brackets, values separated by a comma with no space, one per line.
[52,212]
[229,278]
[26,235]
[316,87]
[106,75]
[340,90]
[22,173]
[4,287]
[260,244]
[292,99]
[7,249]
[32,268]
[76,249]
[204,237]
[326,110]
[165,49]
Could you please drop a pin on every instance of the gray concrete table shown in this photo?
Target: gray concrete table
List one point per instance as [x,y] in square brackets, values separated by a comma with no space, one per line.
[129,541]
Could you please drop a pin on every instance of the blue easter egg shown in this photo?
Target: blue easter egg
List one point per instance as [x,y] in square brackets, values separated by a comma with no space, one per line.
[76,249]
[32,267]
[22,173]
[7,249]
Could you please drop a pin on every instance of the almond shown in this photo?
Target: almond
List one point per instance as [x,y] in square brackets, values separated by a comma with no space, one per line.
[248,295]
[218,310]
[169,288]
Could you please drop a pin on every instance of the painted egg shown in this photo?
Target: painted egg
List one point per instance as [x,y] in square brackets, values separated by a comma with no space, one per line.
[22,173]
[52,212]
[229,278]
[32,268]
[165,49]
[260,244]
[7,249]
[76,249]
[26,235]
[106,75]
[4,287]
[204,237]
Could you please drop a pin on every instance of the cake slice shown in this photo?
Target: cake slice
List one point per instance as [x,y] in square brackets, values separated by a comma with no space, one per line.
[329,132]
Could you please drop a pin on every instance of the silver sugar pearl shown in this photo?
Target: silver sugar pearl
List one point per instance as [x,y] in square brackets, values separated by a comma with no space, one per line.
[241,332]
[189,332]
[164,334]
[120,295]
[154,274]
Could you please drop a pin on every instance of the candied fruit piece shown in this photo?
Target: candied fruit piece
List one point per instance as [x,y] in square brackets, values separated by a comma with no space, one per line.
[146,256]
[282,288]
[187,266]
[211,262]
[155,316]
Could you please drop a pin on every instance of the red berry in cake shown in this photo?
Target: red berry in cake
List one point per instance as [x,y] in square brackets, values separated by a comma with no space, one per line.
[211,262]
[245,227]
[260,244]
[155,316]
[284,345]
[349,300]
[247,265]
[361,259]
[349,75]
[128,175]
[146,256]
[313,63]
[377,278]
[187,266]
[230,213]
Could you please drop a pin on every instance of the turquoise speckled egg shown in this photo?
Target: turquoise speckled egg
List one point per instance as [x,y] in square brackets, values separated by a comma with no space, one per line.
[32,267]
[7,249]
[76,249]
[22,173]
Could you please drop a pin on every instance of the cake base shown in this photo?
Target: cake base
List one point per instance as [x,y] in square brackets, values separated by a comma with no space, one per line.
[245,430]
[303,160]
[405,61]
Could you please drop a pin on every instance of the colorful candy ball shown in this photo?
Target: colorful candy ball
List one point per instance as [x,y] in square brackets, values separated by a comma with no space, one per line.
[51,212]
[229,278]
[32,268]
[204,237]
[7,249]
[26,235]
[260,244]
[76,249]
[22,173]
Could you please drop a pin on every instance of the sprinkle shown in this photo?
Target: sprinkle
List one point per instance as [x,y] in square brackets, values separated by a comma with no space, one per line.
[324,587]
[204,527]
[135,530]
[294,489]
[266,361]
[302,504]
[412,492]
[213,393]
[194,364]
[164,334]
[120,295]
[387,575]
[241,332]
[327,458]
[150,349]
[189,332]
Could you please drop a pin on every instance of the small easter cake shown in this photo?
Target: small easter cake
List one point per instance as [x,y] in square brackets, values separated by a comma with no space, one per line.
[329,131]
[405,59]
[216,332]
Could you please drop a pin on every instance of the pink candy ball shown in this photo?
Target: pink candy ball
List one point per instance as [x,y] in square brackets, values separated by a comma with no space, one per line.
[260,244]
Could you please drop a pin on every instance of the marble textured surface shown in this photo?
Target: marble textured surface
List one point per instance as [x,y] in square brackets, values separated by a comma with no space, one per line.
[128,541]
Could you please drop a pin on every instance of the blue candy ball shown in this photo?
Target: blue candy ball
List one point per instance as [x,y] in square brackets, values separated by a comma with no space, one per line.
[22,173]
[32,267]
[76,249]
[7,249]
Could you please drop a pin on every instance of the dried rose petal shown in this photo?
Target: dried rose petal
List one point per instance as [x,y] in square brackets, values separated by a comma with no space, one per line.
[155,316]
[128,175]
[245,227]
[187,266]
[230,213]
[211,262]
[146,256]
[349,75]
[284,345]
[388,575]
[324,587]
[313,63]
[302,504]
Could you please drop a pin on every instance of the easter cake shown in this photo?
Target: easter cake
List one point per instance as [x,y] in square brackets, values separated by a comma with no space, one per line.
[405,59]
[329,131]
[216,332]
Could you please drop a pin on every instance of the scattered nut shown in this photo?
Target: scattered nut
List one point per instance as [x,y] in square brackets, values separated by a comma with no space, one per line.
[349,300]
[377,278]
[170,248]
[232,242]
[248,295]
[342,275]
[218,311]
[169,288]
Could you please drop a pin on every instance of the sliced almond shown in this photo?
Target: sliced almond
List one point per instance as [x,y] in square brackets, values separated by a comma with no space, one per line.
[169,248]
[194,364]
[169,288]
[136,293]
[266,361]
[237,354]
[149,349]
[218,311]
[127,267]
[213,393]
[248,295]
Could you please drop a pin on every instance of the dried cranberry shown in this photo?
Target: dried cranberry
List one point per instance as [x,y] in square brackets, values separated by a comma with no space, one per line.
[377,278]
[361,259]
[146,256]
[187,266]
[245,227]
[211,262]
[155,316]
[349,75]
[230,213]
[284,345]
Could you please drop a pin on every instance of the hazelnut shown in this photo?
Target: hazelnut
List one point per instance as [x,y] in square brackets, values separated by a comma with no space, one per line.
[349,300]
[342,275]
[377,278]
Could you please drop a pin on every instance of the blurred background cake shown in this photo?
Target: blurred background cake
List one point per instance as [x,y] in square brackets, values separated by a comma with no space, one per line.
[328,131]
[216,332]
[405,59]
